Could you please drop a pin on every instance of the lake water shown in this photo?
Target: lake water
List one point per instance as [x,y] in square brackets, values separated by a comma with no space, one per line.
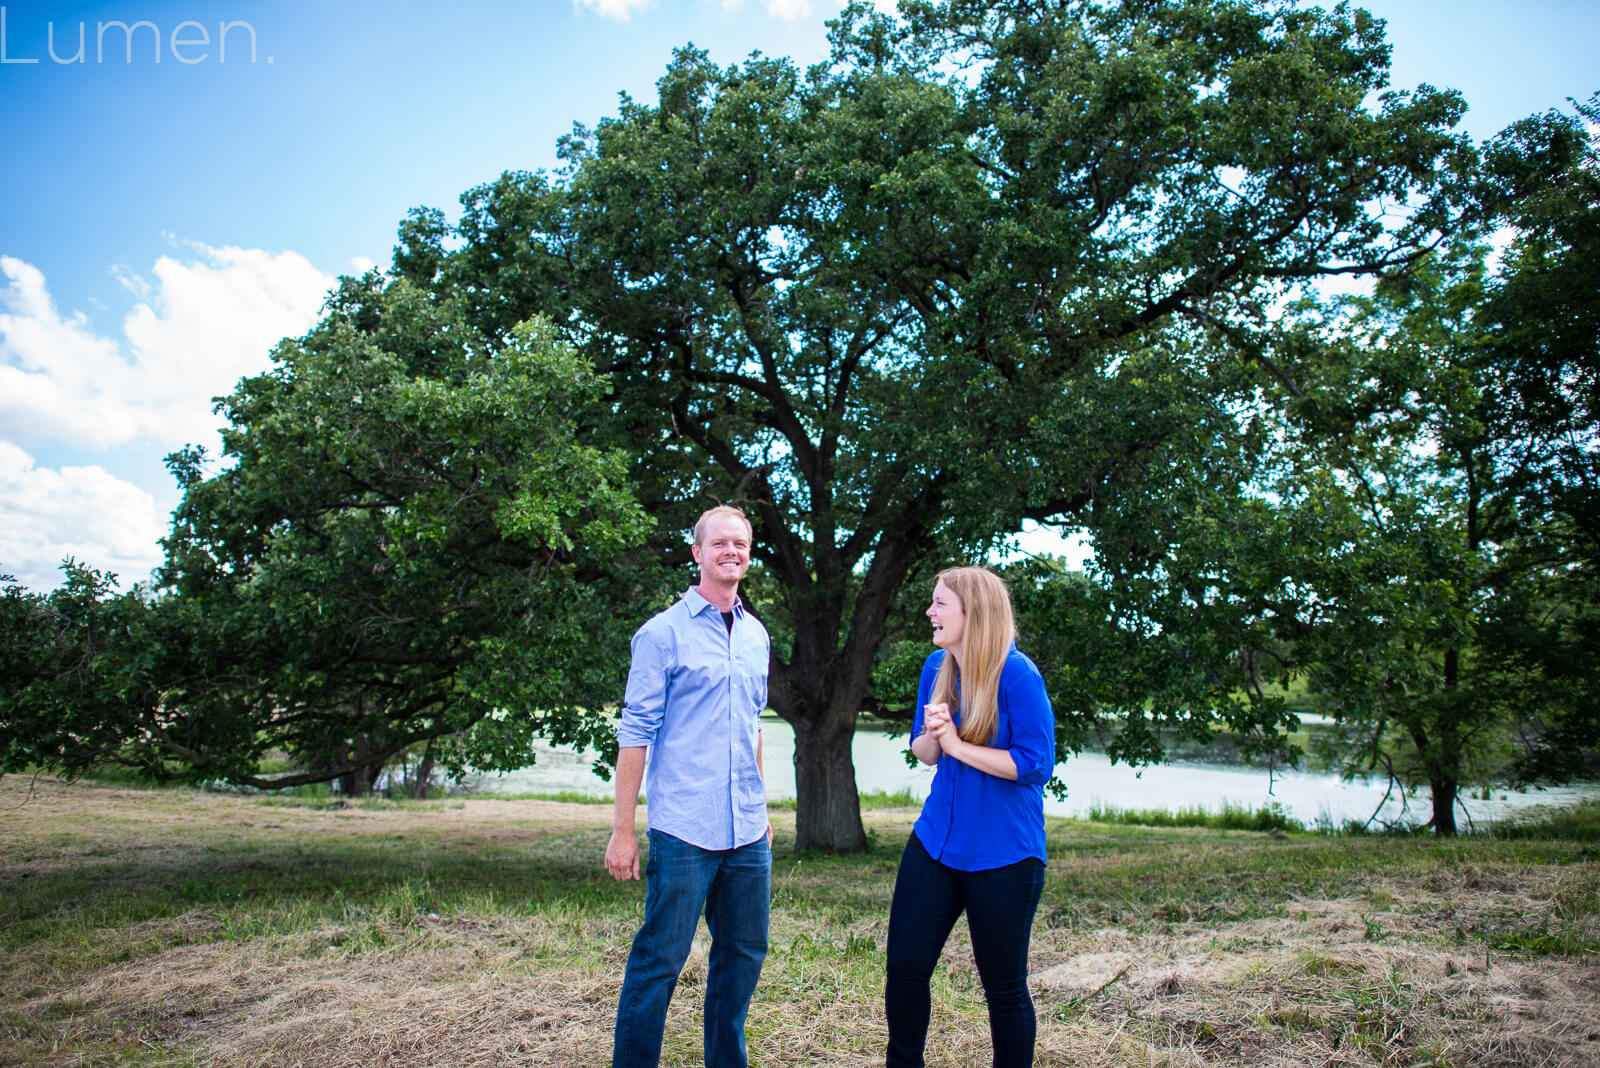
[1092,780]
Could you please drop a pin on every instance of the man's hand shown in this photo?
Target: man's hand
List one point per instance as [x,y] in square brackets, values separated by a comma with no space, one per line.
[622,855]
[622,852]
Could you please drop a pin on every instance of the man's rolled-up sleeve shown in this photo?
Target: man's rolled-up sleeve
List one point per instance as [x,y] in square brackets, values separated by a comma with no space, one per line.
[645,699]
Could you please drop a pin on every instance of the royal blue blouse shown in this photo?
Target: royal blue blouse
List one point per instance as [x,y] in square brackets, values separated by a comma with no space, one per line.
[973,821]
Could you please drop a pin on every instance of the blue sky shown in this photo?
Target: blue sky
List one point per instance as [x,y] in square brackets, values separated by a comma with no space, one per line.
[162,224]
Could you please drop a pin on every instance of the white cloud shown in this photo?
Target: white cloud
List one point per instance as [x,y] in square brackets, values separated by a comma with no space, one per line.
[612,9]
[58,380]
[83,512]
[789,10]
[199,326]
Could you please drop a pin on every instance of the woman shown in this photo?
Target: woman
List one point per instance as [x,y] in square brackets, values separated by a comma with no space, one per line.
[978,846]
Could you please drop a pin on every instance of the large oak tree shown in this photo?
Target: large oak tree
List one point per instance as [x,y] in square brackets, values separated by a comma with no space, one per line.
[953,279]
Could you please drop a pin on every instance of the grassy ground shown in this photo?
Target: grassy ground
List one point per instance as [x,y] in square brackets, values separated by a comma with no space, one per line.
[180,928]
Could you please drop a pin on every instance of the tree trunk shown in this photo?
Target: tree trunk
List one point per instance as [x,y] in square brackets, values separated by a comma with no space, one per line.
[828,810]
[820,690]
[1445,789]
[1441,758]
[348,783]
[357,782]
[423,779]
[1444,765]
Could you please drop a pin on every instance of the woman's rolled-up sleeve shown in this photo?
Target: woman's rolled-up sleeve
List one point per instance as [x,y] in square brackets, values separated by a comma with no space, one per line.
[1033,723]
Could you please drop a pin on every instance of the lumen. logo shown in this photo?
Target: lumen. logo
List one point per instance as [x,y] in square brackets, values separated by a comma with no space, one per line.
[142,41]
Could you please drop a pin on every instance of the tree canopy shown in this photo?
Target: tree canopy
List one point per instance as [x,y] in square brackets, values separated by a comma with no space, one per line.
[991,262]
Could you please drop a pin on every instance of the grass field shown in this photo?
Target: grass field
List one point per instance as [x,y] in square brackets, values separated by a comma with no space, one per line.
[185,928]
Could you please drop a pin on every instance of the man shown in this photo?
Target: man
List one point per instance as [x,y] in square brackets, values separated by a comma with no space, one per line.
[696,689]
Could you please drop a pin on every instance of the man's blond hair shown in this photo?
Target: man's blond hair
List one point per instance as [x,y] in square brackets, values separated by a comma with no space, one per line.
[719,510]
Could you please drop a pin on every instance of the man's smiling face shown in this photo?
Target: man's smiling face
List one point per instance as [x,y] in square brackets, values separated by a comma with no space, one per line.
[723,552]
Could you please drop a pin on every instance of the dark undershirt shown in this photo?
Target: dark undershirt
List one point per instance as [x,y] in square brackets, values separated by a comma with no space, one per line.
[727,618]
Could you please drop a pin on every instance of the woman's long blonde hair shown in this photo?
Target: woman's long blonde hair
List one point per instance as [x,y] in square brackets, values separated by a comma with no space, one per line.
[985,642]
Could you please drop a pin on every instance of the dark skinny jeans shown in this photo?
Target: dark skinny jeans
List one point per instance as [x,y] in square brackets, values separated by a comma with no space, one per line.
[999,903]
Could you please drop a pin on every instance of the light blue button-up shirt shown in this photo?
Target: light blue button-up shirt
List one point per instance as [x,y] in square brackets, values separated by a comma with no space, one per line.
[695,695]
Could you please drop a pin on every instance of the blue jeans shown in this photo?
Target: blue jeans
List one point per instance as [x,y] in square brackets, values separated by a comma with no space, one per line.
[734,888]
[999,903]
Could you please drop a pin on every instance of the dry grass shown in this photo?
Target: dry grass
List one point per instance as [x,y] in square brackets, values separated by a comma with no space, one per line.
[176,928]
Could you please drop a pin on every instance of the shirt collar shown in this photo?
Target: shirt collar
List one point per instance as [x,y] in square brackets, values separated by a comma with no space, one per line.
[697,603]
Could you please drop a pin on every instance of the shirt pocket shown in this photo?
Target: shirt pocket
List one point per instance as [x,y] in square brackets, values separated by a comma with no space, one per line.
[750,678]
